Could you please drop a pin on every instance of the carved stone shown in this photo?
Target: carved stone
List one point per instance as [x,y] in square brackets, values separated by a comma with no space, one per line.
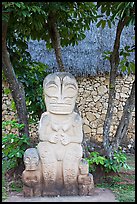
[59,165]
[32,175]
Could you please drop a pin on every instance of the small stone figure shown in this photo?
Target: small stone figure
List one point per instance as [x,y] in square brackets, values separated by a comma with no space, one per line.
[32,175]
[61,170]
[85,179]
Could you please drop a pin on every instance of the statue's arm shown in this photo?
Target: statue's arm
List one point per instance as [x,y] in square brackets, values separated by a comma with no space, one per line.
[77,127]
[44,135]
[42,129]
[77,136]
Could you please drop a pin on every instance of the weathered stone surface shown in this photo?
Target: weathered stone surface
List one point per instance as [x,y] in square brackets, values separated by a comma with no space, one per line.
[32,175]
[90,116]
[123,95]
[100,130]
[58,157]
[27,191]
[99,138]
[86,128]
[94,93]
[117,95]
[98,104]
[85,179]
[86,121]
[86,184]
[102,89]
[86,103]
[84,167]
[96,98]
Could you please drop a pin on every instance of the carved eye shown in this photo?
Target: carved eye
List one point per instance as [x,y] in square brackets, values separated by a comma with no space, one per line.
[27,160]
[53,100]
[68,100]
[51,90]
[69,91]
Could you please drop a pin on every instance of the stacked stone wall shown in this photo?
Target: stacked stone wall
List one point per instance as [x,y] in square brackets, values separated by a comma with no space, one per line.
[92,102]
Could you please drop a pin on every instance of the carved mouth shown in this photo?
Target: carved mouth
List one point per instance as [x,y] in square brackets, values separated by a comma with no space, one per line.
[60,108]
[31,167]
[60,105]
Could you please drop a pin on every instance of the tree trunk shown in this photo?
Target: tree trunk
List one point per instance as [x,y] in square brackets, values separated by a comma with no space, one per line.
[55,39]
[125,119]
[15,86]
[114,62]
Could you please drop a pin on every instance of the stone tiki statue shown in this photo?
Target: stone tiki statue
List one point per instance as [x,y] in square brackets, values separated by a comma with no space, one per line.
[59,167]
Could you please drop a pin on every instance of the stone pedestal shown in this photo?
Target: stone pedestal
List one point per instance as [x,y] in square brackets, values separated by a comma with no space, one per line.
[56,167]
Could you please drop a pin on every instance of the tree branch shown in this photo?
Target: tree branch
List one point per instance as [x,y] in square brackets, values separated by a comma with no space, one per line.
[114,62]
[55,38]
[15,87]
[125,119]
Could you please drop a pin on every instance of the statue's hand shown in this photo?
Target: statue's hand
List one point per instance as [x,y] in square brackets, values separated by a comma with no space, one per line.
[53,138]
[65,139]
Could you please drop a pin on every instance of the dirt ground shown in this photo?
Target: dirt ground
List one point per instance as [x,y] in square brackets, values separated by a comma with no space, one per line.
[99,195]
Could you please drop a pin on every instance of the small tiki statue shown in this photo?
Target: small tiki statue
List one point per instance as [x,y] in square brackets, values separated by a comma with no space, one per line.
[32,175]
[85,179]
[63,171]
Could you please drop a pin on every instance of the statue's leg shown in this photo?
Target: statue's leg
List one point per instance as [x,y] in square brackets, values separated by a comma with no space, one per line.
[49,168]
[27,191]
[70,169]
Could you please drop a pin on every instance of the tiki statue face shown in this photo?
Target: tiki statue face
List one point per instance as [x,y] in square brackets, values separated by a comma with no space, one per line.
[60,92]
[31,159]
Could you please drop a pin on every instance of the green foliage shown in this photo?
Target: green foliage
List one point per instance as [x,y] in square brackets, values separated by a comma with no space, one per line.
[30,19]
[106,55]
[6,91]
[76,19]
[122,185]
[30,73]
[13,106]
[32,79]
[115,164]
[13,146]
[95,159]
[123,192]
[102,23]
[112,11]
[16,186]
[125,65]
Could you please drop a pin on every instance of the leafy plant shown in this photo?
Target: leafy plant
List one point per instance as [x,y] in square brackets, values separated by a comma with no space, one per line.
[122,13]
[95,159]
[32,80]
[13,146]
[115,164]
[125,65]
[122,185]
[112,11]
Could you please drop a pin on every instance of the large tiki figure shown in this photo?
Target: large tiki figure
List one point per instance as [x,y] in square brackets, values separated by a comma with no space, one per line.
[64,172]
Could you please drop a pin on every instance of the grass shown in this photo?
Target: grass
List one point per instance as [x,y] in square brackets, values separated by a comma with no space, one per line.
[122,184]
